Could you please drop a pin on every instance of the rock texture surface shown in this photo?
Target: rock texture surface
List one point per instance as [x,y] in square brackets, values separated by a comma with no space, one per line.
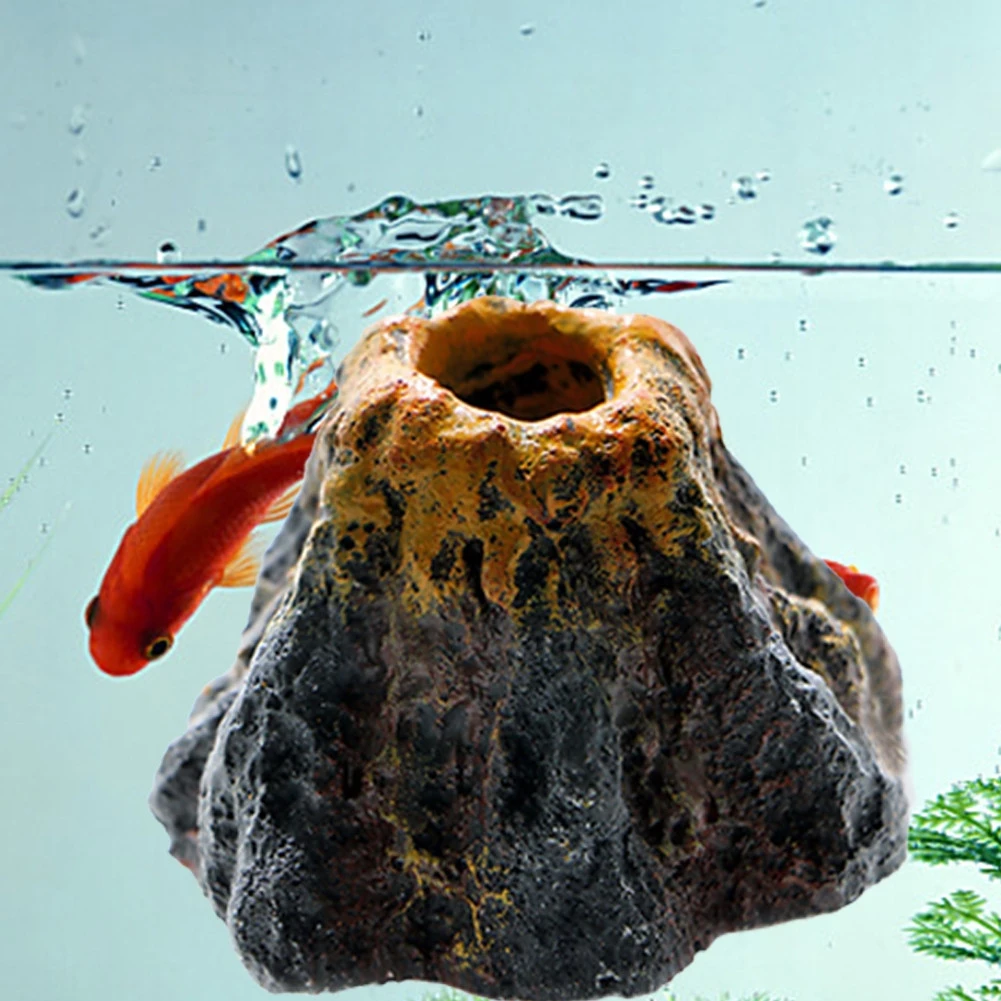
[539,695]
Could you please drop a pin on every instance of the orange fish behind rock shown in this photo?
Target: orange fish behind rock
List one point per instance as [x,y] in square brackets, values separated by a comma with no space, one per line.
[862,585]
[192,533]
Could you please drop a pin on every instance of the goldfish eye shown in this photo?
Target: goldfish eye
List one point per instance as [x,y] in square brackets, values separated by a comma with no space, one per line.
[158,647]
[90,612]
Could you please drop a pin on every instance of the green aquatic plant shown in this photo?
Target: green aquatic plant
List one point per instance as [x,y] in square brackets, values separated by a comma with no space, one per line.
[961,825]
[20,479]
[6,497]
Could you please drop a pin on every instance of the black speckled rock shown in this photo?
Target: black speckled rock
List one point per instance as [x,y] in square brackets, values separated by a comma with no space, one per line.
[552,698]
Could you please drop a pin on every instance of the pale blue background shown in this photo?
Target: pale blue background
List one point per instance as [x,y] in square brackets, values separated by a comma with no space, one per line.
[823,95]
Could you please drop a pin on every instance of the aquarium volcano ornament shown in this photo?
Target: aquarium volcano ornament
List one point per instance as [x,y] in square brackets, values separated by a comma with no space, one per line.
[551,698]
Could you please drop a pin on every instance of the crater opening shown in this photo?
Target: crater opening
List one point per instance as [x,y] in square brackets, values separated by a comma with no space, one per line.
[519,367]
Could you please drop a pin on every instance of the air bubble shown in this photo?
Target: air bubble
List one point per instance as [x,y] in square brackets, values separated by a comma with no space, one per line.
[527,29]
[773,396]
[602,172]
[419,111]
[646,182]
[424,35]
[639,201]
[950,220]
[78,120]
[155,163]
[167,253]
[894,184]
[584,208]
[740,354]
[707,211]
[804,326]
[201,225]
[817,236]
[992,162]
[293,163]
[76,202]
[763,176]
[743,187]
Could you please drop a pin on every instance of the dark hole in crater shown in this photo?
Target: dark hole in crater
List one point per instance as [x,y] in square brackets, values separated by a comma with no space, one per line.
[528,378]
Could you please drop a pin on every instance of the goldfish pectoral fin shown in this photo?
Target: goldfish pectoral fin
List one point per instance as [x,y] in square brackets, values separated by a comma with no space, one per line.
[281,507]
[243,568]
[159,470]
[233,434]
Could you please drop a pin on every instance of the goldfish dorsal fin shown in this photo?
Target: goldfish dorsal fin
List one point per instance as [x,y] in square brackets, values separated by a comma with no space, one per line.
[243,568]
[281,506]
[159,470]
[233,434]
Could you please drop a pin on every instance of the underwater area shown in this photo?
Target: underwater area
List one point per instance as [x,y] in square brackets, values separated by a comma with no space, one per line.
[205,208]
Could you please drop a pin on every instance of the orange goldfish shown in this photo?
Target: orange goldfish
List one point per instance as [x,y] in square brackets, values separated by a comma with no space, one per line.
[860,584]
[192,533]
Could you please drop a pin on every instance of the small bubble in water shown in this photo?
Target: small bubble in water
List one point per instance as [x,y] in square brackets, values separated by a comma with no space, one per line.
[167,253]
[992,162]
[544,204]
[639,201]
[707,211]
[894,184]
[67,393]
[602,172]
[120,302]
[78,120]
[740,354]
[293,163]
[804,325]
[817,236]
[836,187]
[684,214]
[646,182]
[763,175]
[586,208]
[79,156]
[898,498]
[527,29]
[861,361]
[419,111]
[76,202]
[870,401]
[743,187]
[87,448]
[155,163]
[951,220]
[773,396]
[98,232]
[60,417]
[201,225]
[424,35]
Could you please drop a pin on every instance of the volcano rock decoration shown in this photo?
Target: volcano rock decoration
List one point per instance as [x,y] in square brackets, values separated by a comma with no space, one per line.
[539,695]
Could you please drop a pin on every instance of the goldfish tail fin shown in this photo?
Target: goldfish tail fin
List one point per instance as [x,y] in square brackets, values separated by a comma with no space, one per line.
[233,434]
[243,568]
[282,505]
[159,470]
